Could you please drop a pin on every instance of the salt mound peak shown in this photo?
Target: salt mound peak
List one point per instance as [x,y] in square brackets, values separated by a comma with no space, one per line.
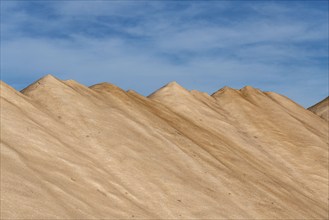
[170,89]
[250,89]
[49,81]
[173,84]
[106,87]
[225,90]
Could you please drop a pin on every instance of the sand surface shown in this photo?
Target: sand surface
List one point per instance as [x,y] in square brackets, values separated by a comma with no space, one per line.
[321,109]
[74,152]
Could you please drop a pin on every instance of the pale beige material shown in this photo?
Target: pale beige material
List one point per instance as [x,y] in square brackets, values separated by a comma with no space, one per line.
[73,152]
[321,109]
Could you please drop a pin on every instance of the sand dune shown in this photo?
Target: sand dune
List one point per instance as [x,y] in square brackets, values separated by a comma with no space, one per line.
[321,109]
[74,152]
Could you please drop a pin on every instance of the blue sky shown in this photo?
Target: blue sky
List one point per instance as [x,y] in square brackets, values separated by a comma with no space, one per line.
[279,46]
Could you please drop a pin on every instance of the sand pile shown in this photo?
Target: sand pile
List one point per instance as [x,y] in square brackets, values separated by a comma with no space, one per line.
[71,151]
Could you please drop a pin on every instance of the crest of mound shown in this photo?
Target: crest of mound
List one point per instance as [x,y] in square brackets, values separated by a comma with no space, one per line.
[250,90]
[225,91]
[172,89]
[252,94]
[46,82]
[52,93]
[105,87]
[321,109]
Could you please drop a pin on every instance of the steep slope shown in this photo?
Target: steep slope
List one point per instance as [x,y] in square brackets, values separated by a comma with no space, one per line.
[321,109]
[266,129]
[69,151]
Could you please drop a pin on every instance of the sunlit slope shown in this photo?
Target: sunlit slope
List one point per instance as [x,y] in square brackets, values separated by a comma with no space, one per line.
[69,151]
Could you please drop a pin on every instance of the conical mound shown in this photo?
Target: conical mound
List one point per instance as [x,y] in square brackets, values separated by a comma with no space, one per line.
[46,81]
[106,87]
[170,89]
[225,90]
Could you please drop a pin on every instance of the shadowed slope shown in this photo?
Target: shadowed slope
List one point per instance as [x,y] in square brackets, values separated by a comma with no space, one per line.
[321,109]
